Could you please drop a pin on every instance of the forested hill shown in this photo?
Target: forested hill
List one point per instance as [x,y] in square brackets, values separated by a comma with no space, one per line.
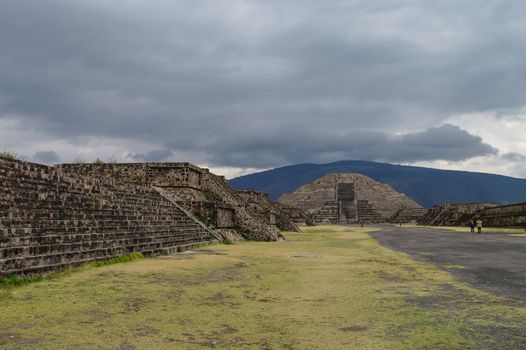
[426,186]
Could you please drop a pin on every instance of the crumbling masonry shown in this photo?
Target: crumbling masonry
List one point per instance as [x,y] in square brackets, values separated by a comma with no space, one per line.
[53,217]
[204,195]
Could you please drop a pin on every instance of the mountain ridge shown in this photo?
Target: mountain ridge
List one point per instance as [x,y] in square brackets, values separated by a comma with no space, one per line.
[427,186]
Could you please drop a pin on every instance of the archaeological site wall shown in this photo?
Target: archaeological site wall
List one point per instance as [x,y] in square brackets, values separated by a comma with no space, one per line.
[347,198]
[453,214]
[51,218]
[270,211]
[204,195]
[297,215]
[512,215]
[408,215]
[459,214]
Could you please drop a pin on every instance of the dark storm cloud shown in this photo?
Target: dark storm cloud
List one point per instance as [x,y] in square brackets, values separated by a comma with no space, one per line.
[447,142]
[212,74]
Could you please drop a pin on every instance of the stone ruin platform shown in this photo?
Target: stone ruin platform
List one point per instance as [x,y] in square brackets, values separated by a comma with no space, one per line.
[492,215]
[204,195]
[55,217]
[348,198]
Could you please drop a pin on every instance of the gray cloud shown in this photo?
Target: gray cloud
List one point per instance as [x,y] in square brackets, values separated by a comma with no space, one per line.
[158,155]
[514,157]
[265,76]
[447,142]
[46,157]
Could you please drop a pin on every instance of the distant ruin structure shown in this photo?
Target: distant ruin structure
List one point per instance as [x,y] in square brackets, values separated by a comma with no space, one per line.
[511,215]
[348,198]
[452,214]
[408,215]
[459,214]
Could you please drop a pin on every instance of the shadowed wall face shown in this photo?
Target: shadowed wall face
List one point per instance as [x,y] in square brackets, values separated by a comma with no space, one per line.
[346,201]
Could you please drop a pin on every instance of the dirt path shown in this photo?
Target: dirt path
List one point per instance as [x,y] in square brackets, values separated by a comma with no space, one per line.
[490,261]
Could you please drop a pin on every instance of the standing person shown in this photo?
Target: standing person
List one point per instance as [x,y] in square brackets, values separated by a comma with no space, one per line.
[479,225]
[471,225]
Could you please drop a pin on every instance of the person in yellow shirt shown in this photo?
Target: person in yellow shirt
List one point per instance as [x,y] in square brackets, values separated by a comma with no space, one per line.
[479,225]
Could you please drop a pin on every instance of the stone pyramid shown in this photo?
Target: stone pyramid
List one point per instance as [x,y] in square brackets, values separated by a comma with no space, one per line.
[348,198]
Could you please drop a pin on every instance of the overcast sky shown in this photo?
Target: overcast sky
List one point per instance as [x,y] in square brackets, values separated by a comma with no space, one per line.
[246,85]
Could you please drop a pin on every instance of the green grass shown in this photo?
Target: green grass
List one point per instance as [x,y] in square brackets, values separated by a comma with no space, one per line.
[8,154]
[118,259]
[16,281]
[326,288]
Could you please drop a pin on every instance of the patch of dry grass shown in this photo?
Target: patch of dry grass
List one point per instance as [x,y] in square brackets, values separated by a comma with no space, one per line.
[325,288]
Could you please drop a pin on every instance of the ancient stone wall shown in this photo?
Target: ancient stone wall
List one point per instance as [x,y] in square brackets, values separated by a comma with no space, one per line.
[272,212]
[296,215]
[249,224]
[453,214]
[205,195]
[459,214]
[225,218]
[513,215]
[145,174]
[408,215]
[347,198]
[51,218]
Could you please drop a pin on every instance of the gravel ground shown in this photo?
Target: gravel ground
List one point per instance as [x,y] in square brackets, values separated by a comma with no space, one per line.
[493,262]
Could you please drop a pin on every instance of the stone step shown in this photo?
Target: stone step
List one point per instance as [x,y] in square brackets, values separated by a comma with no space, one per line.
[14,263]
[21,232]
[24,227]
[45,268]
[34,248]
[116,233]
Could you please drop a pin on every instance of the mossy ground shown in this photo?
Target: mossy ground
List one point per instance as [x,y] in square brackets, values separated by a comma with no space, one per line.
[326,288]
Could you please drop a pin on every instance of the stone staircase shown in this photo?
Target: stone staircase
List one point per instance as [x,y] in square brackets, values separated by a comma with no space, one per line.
[50,220]
[195,189]
[367,212]
[327,214]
